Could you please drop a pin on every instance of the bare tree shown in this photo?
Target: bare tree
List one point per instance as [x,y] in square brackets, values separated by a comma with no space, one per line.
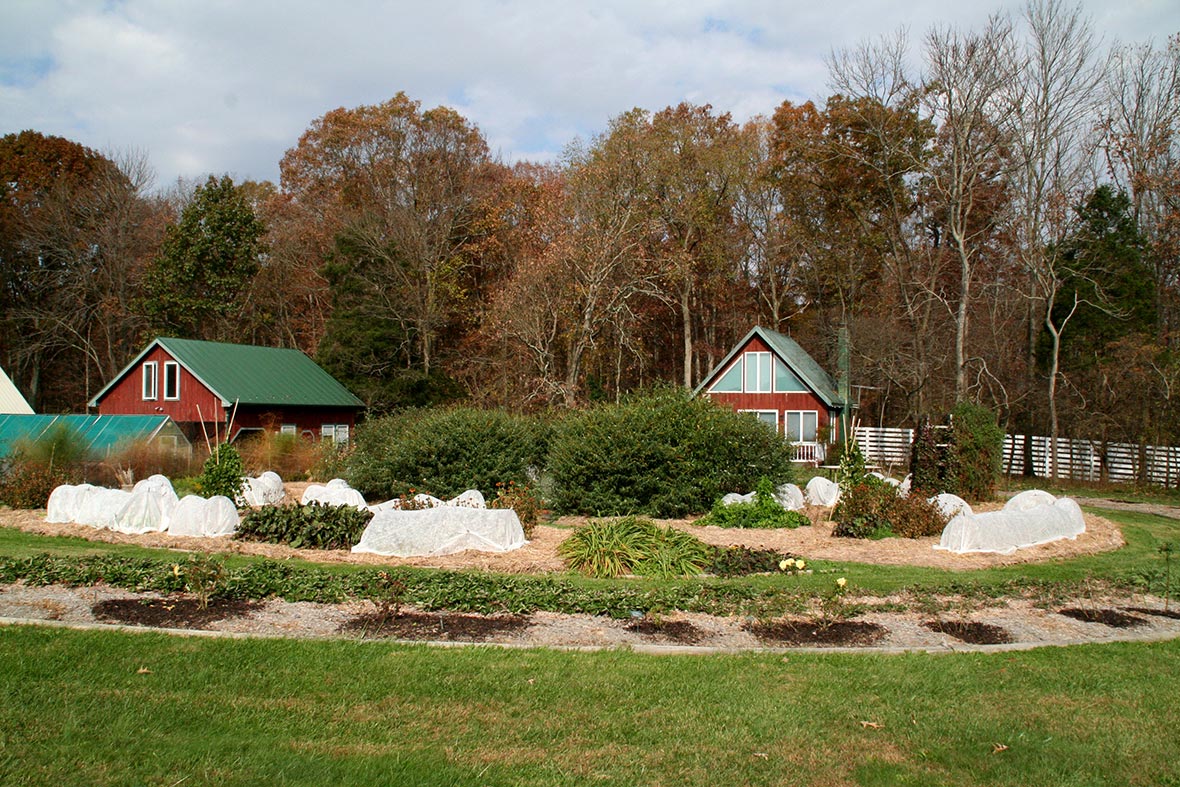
[967,92]
[1050,128]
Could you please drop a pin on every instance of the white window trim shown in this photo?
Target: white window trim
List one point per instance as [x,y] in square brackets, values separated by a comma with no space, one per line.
[801,414]
[765,386]
[757,413]
[738,364]
[151,374]
[292,429]
[176,395]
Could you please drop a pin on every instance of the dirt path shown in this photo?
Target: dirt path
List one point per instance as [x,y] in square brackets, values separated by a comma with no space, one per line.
[1172,512]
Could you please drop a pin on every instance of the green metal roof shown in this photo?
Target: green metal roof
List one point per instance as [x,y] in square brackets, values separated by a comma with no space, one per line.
[810,372]
[101,433]
[248,374]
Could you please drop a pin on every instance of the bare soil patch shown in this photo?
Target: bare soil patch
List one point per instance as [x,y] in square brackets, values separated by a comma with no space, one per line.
[1107,617]
[840,633]
[680,632]
[971,631]
[1163,613]
[435,626]
[170,612]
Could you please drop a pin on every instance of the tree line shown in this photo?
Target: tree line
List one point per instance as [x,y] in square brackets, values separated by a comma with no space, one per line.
[1000,224]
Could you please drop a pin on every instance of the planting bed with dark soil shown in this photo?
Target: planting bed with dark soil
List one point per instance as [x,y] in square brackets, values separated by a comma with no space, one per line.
[842,633]
[679,631]
[171,612]
[1163,613]
[1107,617]
[970,631]
[436,626]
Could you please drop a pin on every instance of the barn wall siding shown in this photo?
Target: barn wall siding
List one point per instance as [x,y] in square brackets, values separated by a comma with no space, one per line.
[127,396]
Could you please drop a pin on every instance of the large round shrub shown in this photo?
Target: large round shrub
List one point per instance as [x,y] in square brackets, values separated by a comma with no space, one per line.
[444,451]
[662,453]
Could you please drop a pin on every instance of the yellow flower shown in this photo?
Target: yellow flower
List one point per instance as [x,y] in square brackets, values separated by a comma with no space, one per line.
[783,564]
[799,564]
[175,570]
[841,581]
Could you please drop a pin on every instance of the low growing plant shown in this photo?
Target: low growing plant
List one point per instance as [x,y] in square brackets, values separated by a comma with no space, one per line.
[632,545]
[311,526]
[764,511]
[742,561]
[204,576]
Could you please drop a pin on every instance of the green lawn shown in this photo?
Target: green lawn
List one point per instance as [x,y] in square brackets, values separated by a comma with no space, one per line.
[105,708]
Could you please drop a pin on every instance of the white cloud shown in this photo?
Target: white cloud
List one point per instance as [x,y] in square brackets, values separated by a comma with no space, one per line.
[215,86]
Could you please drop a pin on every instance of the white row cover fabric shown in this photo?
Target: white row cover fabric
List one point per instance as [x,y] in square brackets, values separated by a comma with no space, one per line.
[788,496]
[444,530]
[265,490]
[151,506]
[1028,519]
[198,516]
[336,492]
[472,498]
[822,492]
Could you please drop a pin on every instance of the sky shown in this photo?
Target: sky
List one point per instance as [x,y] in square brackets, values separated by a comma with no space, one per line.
[226,87]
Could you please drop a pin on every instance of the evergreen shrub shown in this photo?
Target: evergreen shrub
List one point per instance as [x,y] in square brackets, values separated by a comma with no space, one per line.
[223,473]
[445,451]
[978,449]
[660,453]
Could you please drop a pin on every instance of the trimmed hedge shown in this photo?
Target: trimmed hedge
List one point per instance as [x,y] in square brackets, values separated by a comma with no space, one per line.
[445,452]
[662,453]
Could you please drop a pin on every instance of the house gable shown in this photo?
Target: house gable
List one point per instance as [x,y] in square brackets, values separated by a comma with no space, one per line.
[767,362]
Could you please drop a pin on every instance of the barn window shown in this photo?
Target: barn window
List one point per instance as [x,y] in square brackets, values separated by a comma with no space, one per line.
[337,433]
[171,380]
[800,426]
[150,376]
[757,372]
[785,380]
[768,417]
[290,429]
[731,381]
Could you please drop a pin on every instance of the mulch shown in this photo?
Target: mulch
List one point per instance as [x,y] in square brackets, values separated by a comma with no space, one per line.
[1107,617]
[840,633]
[971,632]
[435,626]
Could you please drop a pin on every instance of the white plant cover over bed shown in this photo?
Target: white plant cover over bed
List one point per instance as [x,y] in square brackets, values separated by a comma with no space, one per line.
[790,497]
[443,530]
[150,508]
[101,506]
[66,501]
[822,492]
[265,490]
[472,498]
[198,516]
[336,492]
[1026,520]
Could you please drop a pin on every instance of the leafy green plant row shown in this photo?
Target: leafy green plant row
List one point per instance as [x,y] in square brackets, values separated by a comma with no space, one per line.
[311,526]
[481,592]
[764,511]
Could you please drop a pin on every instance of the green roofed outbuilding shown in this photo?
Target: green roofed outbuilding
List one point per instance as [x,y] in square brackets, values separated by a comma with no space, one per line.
[223,390]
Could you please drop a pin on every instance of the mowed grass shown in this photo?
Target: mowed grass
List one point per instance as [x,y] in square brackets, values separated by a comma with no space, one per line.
[111,708]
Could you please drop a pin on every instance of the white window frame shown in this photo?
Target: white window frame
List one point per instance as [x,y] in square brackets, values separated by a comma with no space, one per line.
[171,366]
[291,429]
[337,433]
[801,413]
[150,387]
[759,413]
[737,366]
[755,357]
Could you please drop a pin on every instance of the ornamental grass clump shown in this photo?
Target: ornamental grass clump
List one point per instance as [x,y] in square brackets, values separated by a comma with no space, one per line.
[633,545]
[764,511]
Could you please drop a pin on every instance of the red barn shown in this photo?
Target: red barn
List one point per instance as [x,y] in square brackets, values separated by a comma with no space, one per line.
[771,377]
[201,385]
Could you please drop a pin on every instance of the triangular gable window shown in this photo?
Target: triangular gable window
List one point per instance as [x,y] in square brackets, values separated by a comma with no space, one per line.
[731,381]
[784,379]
